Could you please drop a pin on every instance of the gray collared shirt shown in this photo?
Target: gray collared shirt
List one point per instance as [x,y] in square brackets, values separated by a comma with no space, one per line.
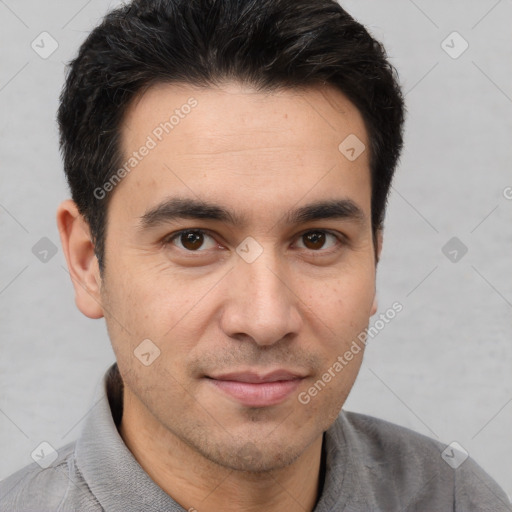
[368,465]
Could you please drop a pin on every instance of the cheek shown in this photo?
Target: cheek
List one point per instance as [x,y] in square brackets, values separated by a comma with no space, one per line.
[325,396]
[149,301]
[344,303]
[170,312]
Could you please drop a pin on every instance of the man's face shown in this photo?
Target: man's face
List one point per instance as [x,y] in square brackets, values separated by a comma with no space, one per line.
[264,296]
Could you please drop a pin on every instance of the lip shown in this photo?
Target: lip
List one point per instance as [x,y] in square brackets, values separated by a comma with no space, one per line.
[256,390]
[256,378]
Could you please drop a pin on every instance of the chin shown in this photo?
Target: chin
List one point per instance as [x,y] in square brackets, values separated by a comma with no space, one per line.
[252,457]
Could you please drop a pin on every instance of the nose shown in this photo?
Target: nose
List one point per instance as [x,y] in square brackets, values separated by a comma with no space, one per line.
[260,302]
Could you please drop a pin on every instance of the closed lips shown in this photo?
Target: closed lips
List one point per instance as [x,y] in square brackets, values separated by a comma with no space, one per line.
[256,390]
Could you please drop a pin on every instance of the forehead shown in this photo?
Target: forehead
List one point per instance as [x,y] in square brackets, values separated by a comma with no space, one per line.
[240,111]
[234,144]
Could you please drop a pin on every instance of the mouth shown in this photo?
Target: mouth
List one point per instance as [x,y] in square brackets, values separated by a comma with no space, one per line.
[258,390]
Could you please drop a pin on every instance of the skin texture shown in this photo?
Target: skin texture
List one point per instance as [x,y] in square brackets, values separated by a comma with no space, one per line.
[298,306]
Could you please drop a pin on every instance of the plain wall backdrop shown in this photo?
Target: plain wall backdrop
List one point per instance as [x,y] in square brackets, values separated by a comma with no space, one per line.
[442,367]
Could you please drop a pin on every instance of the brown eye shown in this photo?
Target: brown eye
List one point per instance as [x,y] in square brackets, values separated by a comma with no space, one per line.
[192,240]
[316,240]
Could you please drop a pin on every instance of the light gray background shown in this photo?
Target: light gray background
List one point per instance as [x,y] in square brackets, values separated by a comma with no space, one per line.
[442,367]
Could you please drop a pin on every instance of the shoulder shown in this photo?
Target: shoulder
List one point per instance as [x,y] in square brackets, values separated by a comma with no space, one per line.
[378,438]
[418,467]
[58,487]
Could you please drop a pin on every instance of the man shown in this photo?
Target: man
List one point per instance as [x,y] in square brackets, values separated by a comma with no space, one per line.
[229,163]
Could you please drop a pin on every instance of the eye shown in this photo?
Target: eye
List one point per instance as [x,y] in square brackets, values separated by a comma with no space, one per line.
[316,240]
[191,240]
[197,240]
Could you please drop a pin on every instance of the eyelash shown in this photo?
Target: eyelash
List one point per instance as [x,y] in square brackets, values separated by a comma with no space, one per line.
[340,240]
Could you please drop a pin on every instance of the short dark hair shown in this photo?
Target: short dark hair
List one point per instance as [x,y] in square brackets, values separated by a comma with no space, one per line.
[268,44]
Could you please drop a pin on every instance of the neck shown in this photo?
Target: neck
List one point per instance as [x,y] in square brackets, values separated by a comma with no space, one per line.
[197,483]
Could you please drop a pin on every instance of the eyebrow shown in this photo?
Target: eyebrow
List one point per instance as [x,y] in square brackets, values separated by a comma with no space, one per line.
[175,208]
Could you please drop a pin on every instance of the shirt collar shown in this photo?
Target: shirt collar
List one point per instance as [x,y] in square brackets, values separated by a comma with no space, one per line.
[119,483]
[113,475]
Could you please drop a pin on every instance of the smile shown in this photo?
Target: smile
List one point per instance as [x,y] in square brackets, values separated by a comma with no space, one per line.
[253,390]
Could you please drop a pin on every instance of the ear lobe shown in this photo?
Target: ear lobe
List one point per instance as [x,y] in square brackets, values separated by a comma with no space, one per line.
[82,262]
[375,305]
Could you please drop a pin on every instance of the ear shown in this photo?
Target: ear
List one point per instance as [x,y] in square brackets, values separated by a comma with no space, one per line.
[82,262]
[379,239]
